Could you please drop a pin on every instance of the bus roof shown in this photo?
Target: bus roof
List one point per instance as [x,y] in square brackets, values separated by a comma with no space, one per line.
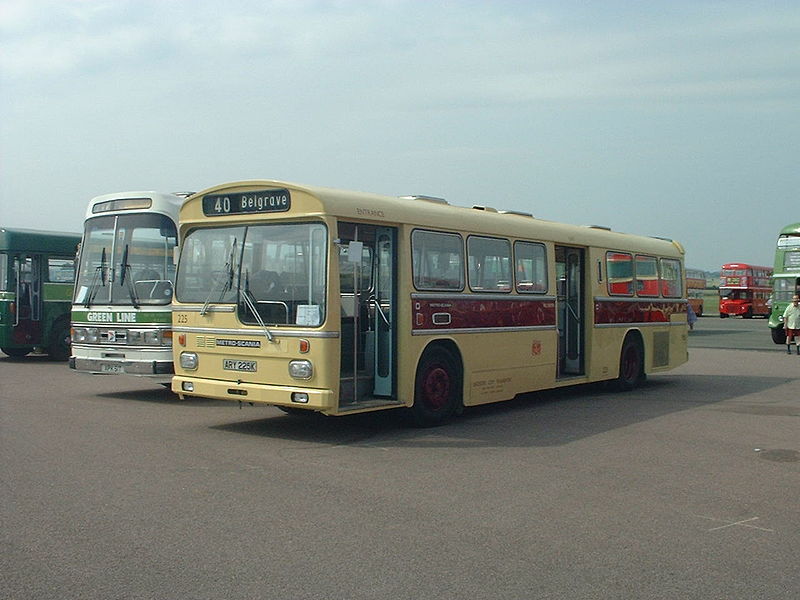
[744,266]
[162,202]
[31,240]
[695,273]
[790,229]
[431,212]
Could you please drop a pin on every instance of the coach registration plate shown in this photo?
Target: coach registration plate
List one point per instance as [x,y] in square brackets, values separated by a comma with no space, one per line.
[230,364]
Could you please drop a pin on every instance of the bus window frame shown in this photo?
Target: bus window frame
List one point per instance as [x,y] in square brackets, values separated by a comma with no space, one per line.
[53,267]
[640,289]
[539,282]
[678,280]
[629,293]
[416,261]
[472,271]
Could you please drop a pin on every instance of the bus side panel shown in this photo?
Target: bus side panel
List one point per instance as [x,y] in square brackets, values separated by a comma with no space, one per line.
[526,363]
[57,304]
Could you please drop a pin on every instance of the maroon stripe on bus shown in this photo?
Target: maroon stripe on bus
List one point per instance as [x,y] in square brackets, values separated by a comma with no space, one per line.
[640,311]
[469,313]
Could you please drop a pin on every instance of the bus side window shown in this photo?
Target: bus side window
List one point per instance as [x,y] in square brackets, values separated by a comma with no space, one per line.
[489,262]
[531,267]
[60,270]
[619,267]
[646,275]
[438,260]
[671,278]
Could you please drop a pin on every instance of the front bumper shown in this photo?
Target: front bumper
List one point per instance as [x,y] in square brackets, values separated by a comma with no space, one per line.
[158,369]
[318,399]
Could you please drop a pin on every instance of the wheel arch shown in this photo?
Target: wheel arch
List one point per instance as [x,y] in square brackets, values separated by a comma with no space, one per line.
[635,334]
[450,346]
[454,356]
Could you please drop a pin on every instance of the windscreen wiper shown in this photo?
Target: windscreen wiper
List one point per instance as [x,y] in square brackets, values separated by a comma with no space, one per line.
[227,282]
[248,301]
[126,275]
[98,277]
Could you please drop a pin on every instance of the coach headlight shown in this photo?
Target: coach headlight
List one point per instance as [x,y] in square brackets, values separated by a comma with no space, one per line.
[151,337]
[78,335]
[92,335]
[189,360]
[301,369]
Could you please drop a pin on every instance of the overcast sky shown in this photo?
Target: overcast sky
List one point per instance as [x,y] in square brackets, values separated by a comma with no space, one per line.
[673,119]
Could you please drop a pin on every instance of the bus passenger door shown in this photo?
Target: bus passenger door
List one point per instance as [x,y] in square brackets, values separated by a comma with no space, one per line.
[383,312]
[367,285]
[27,327]
[570,313]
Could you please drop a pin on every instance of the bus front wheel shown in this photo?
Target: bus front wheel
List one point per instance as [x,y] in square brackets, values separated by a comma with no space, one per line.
[437,388]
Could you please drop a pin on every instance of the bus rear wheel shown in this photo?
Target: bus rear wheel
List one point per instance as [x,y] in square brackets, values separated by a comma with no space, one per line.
[17,352]
[631,364]
[59,347]
[437,388]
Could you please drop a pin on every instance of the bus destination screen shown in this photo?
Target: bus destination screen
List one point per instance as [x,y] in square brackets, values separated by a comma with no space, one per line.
[264,201]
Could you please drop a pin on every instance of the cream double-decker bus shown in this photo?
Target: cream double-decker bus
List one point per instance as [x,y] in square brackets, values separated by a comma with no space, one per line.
[341,302]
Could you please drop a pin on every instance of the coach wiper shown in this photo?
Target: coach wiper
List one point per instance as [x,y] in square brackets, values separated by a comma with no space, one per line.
[227,282]
[98,277]
[126,275]
[247,296]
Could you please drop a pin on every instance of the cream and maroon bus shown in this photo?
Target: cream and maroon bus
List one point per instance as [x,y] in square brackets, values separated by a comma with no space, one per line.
[315,299]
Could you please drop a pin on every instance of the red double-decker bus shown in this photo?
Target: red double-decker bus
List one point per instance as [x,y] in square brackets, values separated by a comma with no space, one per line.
[744,290]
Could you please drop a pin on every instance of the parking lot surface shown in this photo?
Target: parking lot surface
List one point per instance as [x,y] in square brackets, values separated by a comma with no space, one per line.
[685,488]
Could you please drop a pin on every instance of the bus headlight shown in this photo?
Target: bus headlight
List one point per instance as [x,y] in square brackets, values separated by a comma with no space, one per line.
[78,335]
[151,338]
[92,335]
[189,360]
[301,369]
[134,337]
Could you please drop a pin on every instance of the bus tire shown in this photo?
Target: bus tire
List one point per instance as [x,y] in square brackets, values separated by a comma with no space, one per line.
[17,352]
[59,347]
[631,364]
[778,335]
[437,388]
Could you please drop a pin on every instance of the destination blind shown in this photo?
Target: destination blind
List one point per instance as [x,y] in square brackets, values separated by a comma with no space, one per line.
[263,201]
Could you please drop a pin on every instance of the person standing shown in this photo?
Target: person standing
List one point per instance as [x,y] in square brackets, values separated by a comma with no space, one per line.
[691,316]
[791,323]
